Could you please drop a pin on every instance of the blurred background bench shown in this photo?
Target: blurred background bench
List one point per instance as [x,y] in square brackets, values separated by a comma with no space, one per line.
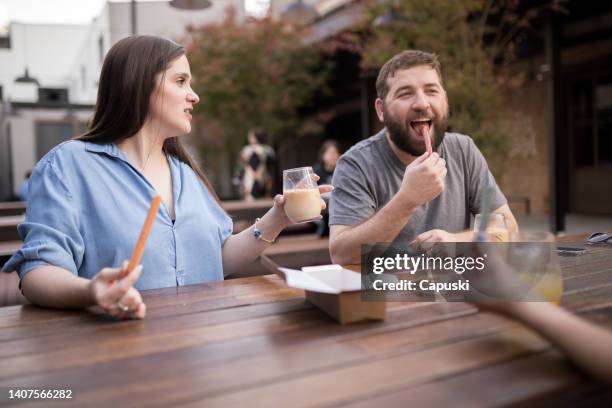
[244,213]
[292,252]
[8,227]
[247,210]
[12,208]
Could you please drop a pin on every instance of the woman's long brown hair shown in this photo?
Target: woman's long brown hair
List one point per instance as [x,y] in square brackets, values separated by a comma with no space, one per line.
[127,82]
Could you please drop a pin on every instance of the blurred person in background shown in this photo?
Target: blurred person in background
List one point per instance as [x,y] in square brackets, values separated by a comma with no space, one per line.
[324,168]
[23,188]
[256,159]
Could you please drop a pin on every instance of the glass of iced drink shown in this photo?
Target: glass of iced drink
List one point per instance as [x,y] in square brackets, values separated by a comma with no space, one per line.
[302,198]
[497,230]
[532,254]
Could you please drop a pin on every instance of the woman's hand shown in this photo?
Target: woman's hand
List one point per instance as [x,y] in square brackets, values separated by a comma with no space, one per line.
[279,204]
[497,287]
[116,294]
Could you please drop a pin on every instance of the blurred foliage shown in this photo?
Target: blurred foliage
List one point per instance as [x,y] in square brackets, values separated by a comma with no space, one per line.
[476,41]
[255,74]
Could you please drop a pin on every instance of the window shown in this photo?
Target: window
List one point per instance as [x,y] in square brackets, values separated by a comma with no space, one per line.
[591,120]
[5,34]
[53,95]
[5,41]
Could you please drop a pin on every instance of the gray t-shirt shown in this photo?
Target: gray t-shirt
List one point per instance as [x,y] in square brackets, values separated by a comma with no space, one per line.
[370,174]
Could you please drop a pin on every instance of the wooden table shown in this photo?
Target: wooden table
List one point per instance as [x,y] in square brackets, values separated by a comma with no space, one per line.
[255,342]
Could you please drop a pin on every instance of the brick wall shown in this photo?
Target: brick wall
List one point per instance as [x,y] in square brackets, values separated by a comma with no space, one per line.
[526,169]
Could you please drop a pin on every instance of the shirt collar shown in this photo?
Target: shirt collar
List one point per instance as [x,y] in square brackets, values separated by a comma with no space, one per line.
[110,149]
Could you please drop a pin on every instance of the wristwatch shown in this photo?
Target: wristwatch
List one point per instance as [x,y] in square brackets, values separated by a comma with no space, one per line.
[257,233]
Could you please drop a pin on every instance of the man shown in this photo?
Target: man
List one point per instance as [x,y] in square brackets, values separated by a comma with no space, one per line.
[390,189]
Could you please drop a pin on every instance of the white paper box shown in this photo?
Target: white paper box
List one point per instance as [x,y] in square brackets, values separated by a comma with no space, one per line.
[333,289]
[324,279]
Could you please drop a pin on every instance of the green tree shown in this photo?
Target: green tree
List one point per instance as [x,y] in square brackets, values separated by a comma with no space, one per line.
[254,74]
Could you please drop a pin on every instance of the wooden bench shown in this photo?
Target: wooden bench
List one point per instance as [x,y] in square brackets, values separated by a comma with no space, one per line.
[247,210]
[235,208]
[8,227]
[244,213]
[292,252]
[8,248]
[12,208]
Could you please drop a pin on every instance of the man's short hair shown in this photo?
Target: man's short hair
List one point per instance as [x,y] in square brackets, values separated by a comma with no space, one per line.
[404,60]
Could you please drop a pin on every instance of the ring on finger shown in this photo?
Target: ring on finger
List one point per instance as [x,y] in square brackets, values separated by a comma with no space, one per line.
[122,307]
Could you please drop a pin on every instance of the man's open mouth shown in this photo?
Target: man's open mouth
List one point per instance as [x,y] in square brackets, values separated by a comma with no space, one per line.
[421,126]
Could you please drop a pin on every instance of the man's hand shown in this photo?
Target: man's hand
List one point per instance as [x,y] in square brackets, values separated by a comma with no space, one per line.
[423,179]
[426,242]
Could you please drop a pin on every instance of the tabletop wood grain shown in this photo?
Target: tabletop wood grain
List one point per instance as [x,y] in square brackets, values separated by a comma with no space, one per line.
[255,342]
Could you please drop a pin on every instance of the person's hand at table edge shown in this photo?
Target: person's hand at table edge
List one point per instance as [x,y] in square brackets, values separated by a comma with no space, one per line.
[117,296]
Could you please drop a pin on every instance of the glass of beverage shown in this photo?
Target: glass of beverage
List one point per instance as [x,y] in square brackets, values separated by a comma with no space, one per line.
[302,198]
[497,230]
[532,254]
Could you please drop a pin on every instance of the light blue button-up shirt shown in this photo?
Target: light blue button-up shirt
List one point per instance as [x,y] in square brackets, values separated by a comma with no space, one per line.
[86,208]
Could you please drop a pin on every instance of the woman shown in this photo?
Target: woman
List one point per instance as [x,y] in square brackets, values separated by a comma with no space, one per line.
[328,157]
[89,196]
[256,158]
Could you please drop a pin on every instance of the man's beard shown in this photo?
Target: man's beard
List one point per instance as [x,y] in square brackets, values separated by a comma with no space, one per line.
[400,135]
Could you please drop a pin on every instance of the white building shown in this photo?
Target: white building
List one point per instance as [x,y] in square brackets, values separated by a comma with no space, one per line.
[65,60]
